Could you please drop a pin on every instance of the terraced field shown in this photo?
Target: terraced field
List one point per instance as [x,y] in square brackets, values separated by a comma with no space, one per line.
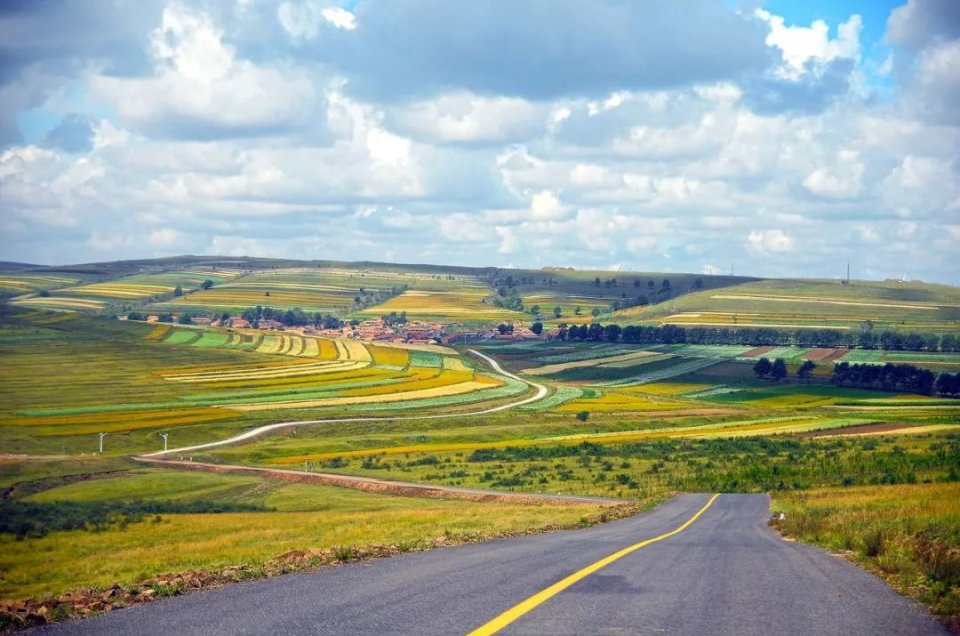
[321,289]
[467,304]
[201,383]
[810,304]
[97,296]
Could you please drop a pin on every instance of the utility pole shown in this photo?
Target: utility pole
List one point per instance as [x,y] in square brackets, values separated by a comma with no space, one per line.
[102,435]
[164,436]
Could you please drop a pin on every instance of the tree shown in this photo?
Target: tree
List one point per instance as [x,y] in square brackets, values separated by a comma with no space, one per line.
[779,369]
[583,416]
[665,284]
[535,310]
[557,311]
[537,328]
[577,310]
[595,312]
[596,281]
[698,283]
[178,291]
[651,284]
[762,368]
[207,284]
[806,370]
[504,328]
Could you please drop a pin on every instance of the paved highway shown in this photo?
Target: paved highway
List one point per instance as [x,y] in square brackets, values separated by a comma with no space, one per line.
[723,572]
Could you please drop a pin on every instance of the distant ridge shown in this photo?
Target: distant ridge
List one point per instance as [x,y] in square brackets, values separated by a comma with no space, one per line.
[9,266]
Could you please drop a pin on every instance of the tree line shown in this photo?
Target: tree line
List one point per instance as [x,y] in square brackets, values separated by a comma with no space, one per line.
[759,336]
[895,377]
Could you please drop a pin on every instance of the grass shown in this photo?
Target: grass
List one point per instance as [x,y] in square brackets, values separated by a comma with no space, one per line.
[908,534]
[306,517]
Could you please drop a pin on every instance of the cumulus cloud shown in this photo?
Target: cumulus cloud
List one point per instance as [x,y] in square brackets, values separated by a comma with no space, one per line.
[201,87]
[769,242]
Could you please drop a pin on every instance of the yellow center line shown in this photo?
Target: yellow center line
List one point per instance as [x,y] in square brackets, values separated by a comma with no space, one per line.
[543,596]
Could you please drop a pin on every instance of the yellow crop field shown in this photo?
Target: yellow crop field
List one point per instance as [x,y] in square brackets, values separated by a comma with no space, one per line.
[158,332]
[420,379]
[271,344]
[356,350]
[58,303]
[620,401]
[550,369]
[284,372]
[328,349]
[455,364]
[442,391]
[311,348]
[389,356]
[462,304]
[665,388]
[111,422]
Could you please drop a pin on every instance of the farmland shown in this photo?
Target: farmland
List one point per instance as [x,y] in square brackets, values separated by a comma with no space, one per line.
[627,420]
[810,304]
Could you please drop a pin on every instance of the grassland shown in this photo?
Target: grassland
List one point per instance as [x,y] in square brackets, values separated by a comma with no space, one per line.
[892,305]
[303,517]
[908,534]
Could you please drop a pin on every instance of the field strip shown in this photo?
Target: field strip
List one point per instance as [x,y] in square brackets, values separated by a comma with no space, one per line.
[590,362]
[819,300]
[399,396]
[542,392]
[756,324]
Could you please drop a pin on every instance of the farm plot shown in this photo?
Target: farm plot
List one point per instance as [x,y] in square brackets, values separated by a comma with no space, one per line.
[143,286]
[627,359]
[466,304]
[27,282]
[811,304]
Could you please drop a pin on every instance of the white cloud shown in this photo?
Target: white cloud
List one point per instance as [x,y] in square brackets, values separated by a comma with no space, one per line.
[467,118]
[810,48]
[340,18]
[843,180]
[200,84]
[769,242]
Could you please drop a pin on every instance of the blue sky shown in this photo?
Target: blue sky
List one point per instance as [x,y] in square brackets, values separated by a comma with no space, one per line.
[783,136]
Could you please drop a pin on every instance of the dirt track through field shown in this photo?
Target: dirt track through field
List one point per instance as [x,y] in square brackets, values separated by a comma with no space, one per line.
[383,486]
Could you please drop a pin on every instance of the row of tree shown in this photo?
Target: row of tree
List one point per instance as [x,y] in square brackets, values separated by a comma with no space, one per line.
[291,317]
[895,377]
[762,336]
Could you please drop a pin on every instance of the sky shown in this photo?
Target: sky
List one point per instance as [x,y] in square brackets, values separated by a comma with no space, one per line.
[773,138]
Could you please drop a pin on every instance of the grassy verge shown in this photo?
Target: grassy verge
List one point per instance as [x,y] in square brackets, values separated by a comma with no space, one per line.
[908,534]
[291,517]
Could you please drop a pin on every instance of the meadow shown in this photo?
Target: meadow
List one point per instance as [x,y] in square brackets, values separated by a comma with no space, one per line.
[908,534]
[293,517]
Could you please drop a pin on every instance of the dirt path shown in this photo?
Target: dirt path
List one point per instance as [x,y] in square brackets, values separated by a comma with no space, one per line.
[385,486]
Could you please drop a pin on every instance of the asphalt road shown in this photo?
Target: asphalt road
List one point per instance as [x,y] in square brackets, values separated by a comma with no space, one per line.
[726,573]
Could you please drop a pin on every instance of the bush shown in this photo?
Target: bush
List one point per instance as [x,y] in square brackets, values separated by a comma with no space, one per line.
[583,416]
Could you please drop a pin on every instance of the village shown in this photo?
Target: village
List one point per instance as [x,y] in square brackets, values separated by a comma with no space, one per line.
[371,329]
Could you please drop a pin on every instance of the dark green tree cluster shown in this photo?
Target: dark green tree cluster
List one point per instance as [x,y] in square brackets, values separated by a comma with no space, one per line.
[291,317]
[894,377]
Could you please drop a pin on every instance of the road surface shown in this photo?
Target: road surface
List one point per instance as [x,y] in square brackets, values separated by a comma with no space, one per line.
[723,573]
[257,432]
